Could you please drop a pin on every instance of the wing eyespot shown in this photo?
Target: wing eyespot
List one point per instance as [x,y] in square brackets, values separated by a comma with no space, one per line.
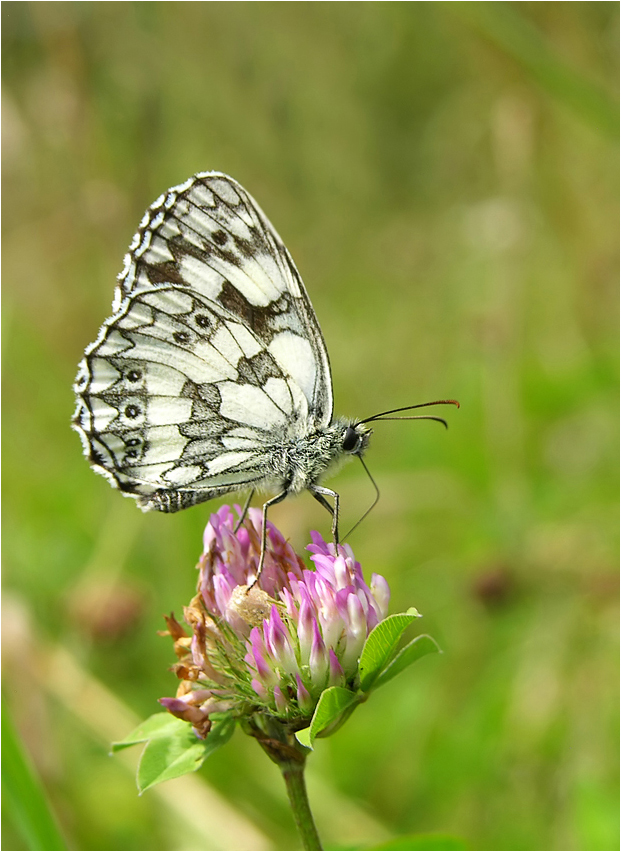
[181,337]
[202,321]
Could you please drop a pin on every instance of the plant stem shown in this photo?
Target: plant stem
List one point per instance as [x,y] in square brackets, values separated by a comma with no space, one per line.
[293,773]
[281,746]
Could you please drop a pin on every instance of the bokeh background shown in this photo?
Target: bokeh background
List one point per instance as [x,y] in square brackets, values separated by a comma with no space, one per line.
[445,176]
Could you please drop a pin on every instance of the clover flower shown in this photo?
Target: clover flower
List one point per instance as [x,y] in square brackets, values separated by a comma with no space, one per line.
[287,655]
[270,648]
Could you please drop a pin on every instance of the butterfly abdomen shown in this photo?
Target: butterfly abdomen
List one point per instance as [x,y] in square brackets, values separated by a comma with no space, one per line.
[293,467]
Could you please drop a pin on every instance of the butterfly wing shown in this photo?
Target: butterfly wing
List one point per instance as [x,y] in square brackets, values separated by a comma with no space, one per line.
[213,358]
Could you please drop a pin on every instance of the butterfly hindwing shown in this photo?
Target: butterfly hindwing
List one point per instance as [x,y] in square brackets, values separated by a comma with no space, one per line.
[178,394]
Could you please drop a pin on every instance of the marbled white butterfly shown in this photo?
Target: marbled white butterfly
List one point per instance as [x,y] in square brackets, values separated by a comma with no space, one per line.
[211,375]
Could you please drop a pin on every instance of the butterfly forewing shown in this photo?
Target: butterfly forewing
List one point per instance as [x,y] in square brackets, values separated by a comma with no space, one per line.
[213,358]
[208,234]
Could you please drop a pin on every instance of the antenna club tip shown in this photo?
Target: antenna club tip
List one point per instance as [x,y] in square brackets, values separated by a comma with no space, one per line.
[454,402]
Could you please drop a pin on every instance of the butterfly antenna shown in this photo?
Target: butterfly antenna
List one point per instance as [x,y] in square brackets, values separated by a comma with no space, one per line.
[384,415]
[373,504]
[418,417]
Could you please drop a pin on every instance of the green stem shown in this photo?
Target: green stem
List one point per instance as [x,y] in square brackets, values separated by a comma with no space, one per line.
[293,773]
[279,743]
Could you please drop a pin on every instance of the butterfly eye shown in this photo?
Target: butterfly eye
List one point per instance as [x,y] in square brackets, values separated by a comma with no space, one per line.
[351,440]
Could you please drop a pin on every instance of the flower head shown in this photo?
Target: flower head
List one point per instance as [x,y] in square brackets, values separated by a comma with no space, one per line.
[273,646]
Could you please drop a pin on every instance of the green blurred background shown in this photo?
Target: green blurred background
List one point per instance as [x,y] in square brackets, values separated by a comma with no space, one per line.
[445,176]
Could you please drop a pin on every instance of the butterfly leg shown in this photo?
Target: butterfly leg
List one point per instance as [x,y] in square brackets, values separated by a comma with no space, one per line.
[277,499]
[320,493]
[244,511]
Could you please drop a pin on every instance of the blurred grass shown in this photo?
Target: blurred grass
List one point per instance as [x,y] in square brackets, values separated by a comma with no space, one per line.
[27,803]
[455,220]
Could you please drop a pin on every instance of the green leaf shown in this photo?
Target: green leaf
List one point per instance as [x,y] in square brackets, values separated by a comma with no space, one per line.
[24,796]
[170,756]
[381,645]
[304,737]
[172,748]
[164,758]
[158,725]
[414,650]
[332,703]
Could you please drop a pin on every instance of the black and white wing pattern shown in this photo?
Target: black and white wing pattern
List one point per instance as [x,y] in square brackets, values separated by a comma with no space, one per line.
[212,361]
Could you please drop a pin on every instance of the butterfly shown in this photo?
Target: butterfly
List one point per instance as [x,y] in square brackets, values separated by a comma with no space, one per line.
[212,375]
